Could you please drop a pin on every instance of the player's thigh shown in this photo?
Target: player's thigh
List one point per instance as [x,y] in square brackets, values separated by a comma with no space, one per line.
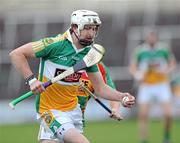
[65,121]
[144,94]
[45,135]
[163,93]
[74,136]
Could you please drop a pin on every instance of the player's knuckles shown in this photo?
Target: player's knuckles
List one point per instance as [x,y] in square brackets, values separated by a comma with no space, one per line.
[34,92]
[132,97]
[40,88]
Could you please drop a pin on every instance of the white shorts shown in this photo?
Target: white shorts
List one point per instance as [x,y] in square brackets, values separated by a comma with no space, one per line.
[68,120]
[152,93]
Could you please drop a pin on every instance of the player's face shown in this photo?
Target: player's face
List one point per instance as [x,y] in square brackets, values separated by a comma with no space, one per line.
[152,38]
[89,32]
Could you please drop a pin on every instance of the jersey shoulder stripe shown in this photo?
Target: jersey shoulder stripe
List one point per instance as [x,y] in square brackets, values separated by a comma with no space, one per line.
[43,43]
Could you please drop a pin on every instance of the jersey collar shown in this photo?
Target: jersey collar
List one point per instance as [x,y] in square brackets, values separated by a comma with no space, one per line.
[69,37]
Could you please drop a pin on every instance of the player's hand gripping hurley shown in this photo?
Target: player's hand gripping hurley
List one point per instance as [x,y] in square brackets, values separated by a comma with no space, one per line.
[94,55]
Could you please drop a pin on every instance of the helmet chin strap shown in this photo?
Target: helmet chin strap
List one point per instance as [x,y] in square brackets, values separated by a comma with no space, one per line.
[83,42]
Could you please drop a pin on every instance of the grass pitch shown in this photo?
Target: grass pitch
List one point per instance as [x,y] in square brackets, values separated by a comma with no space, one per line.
[97,132]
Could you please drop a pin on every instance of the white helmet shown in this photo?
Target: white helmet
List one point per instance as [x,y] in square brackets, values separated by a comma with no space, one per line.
[85,17]
[82,18]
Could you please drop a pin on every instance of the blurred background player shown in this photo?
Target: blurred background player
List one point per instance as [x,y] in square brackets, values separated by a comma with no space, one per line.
[58,105]
[151,64]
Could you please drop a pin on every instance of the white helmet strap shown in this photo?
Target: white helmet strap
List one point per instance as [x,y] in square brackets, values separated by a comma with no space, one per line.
[83,42]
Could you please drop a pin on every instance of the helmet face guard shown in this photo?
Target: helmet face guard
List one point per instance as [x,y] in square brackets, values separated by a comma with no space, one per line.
[82,18]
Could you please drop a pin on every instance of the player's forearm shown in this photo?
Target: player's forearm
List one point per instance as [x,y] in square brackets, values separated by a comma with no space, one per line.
[20,61]
[102,89]
[109,93]
[21,64]
[136,73]
[172,65]
[133,69]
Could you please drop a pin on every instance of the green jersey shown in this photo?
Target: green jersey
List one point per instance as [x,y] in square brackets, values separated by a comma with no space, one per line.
[153,61]
[57,54]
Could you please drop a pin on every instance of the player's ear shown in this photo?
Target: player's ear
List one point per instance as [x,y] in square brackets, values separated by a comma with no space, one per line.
[74,27]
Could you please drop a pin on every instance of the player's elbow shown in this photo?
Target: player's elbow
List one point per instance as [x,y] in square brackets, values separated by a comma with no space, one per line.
[13,54]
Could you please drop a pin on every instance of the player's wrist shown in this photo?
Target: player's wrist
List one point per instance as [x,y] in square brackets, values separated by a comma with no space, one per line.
[121,96]
[114,109]
[30,79]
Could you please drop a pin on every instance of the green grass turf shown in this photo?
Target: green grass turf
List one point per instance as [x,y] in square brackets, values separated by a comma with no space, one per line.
[127,132]
[20,133]
[97,132]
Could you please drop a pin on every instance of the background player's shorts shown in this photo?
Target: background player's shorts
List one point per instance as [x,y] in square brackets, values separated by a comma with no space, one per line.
[68,120]
[152,93]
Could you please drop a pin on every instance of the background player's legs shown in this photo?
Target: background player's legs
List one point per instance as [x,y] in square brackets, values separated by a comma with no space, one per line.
[144,100]
[165,98]
[167,110]
[143,121]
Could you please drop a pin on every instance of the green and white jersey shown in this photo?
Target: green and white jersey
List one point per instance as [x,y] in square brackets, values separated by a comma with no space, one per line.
[153,61]
[57,54]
